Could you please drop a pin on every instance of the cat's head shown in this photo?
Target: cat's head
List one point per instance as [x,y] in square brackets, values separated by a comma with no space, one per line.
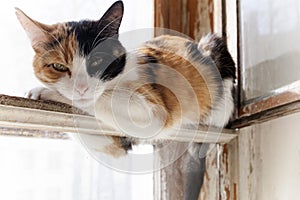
[77,59]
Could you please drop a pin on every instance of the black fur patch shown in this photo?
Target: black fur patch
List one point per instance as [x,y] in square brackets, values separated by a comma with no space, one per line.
[98,41]
[197,56]
[90,33]
[219,55]
[86,35]
[114,69]
[222,58]
[149,59]
[152,66]
[108,64]
[126,143]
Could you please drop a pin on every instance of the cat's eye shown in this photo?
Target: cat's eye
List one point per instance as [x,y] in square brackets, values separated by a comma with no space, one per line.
[97,62]
[59,67]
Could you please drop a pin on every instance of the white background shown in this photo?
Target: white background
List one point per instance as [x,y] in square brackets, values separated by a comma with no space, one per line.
[37,169]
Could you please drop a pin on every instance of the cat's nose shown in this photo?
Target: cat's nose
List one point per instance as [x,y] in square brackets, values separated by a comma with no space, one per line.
[81,90]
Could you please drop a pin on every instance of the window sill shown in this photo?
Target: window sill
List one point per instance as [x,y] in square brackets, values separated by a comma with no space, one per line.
[21,113]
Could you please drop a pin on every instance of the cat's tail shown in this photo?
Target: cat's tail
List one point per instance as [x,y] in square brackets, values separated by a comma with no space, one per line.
[215,47]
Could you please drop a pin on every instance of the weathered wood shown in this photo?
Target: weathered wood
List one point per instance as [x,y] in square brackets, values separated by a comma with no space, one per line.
[266,115]
[33,133]
[250,164]
[228,168]
[211,182]
[183,166]
[270,102]
[39,104]
[269,160]
[183,177]
[190,17]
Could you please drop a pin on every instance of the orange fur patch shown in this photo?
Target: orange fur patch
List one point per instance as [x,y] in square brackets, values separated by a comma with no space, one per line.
[169,54]
[59,48]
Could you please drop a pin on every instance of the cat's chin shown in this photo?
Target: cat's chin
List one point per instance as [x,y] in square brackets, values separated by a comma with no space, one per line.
[83,102]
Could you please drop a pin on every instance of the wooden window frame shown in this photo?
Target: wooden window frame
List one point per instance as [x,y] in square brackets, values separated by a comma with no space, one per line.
[274,104]
[195,18]
[223,17]
[184,16]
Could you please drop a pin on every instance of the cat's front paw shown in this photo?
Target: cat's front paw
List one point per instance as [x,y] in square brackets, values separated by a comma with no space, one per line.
[38,93]
[42,93]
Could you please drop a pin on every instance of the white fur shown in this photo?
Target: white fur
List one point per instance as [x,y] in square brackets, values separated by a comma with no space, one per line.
[33,31]
[205,44]
[130,113]
[80,89]
[222,110]
[116,104]
[122,109]
[69,90]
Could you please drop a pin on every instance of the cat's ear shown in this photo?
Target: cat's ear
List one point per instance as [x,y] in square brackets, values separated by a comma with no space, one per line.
[36,31]
[110,22]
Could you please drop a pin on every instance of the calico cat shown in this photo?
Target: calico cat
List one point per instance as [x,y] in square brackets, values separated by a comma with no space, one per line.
[166,83]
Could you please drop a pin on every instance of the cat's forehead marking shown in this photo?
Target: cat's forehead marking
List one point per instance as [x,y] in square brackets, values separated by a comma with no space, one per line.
[89,34]
[85,33]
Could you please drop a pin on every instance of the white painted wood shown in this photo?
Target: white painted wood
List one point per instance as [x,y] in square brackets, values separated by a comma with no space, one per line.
[269,160]
[228,170]
[211,187]
[182,177]
[17,117]
[218,17]
[231,28]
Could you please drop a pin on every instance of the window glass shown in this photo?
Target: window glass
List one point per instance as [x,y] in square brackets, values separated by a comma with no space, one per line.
[55,169]
[270,50]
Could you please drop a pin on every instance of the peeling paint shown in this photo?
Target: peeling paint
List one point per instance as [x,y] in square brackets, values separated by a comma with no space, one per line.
[234,191]
[191,17]
[225,156]
[210,189]
[228,170]
[227,192]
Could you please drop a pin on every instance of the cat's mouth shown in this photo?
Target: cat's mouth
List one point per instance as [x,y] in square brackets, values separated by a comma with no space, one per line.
[83,100]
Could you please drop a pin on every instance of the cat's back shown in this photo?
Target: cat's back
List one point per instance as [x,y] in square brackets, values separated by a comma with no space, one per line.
[175,72]
[176,53]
